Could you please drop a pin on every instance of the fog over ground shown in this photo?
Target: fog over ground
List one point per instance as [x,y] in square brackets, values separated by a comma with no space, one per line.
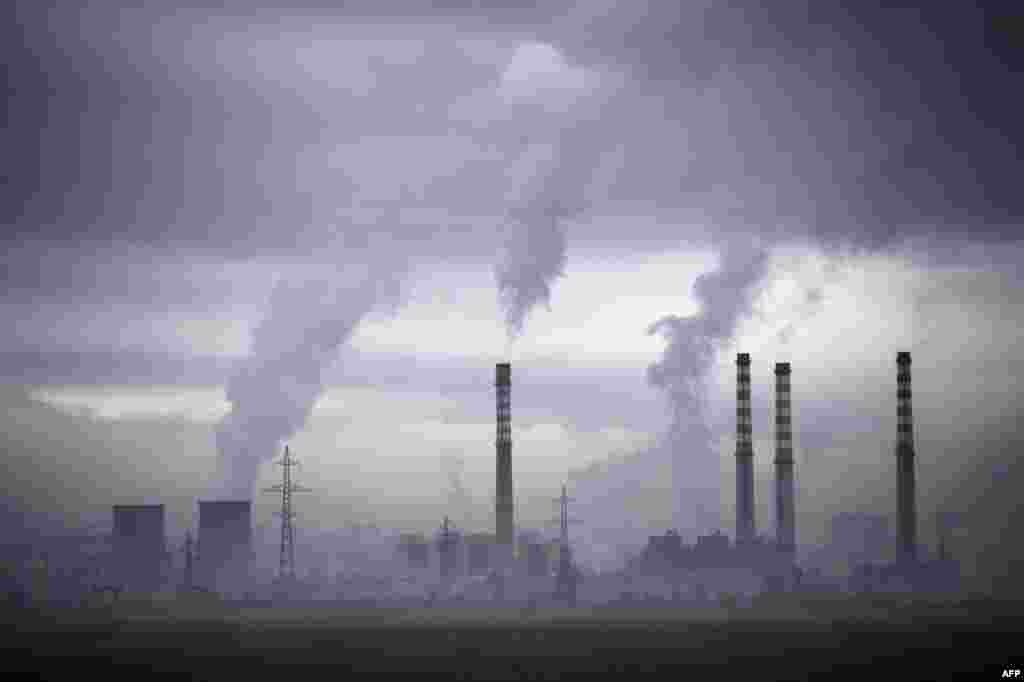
[231,226]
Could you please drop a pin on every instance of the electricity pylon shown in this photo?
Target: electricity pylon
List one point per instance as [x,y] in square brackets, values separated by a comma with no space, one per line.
[286,569]
[567,576]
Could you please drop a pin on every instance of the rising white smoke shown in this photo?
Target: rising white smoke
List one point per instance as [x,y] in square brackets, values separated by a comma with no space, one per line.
[274,389]
[620,501]
[550,183]
[725,296]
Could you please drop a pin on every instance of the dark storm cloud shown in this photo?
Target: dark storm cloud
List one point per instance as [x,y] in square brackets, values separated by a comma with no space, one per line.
[872,124]
[839,121]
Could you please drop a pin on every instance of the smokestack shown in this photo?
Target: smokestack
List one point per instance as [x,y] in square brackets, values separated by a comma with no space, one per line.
[784,521]
[745,528]
[905,458]
[504,512]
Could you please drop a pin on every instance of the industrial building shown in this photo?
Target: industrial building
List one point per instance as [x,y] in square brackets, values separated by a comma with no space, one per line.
[139,552]
[224,544]
[415,550]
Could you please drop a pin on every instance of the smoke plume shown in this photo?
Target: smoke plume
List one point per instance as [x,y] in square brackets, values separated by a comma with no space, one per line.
[534,238]
[273,391]
[551,181]
[725,296]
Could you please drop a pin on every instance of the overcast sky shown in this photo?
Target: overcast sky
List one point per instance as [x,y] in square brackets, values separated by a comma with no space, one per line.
[358,211]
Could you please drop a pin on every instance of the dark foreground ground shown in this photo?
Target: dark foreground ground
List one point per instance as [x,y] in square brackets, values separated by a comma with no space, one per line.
[964,641]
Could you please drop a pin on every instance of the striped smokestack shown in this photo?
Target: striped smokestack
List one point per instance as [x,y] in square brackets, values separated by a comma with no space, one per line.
[905,458]
[504,509]
[745,528]
[784,520]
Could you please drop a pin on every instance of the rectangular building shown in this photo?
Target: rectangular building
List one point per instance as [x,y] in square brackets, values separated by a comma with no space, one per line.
[225,543]
[138,546]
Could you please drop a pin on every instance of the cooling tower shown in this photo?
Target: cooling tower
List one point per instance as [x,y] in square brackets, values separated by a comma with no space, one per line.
[905,458]
[504,512]
[784,513]
[745,529]
[139,545]
[225,543]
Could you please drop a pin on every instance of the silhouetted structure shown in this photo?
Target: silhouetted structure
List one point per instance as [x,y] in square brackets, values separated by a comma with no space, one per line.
[567,575]
[225,543]
[286,561]
[784,513]
[139,549]
[905,458]
[504,512]
[745,527]
[859,538]
[416,550]
[447,547]
[712,559]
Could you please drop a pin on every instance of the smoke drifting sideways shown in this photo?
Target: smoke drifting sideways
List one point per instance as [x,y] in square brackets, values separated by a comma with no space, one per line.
[274,389]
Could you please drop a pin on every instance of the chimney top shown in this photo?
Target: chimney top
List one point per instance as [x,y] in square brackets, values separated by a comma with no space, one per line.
[781,368]
[903,358]
[503,373]
[743,358]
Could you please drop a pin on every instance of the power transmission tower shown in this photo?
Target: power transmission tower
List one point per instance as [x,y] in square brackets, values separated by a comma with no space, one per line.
[567,576]
[286,569]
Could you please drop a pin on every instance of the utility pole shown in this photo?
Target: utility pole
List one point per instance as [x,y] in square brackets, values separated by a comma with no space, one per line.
[286,568]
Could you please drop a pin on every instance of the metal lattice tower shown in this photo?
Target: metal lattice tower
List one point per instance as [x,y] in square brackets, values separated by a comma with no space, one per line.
[286,569]
[745,527]
[784,512]
[566,577]
[905,458]
[504,511]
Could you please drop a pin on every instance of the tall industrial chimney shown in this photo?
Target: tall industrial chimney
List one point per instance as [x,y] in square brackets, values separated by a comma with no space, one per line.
[905,458]
[745,529]
[504,507]
[784,519]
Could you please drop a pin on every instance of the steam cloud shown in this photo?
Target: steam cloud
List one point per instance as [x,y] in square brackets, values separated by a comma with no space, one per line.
[273,391]
[555,173]
[534,241]
[725,297]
